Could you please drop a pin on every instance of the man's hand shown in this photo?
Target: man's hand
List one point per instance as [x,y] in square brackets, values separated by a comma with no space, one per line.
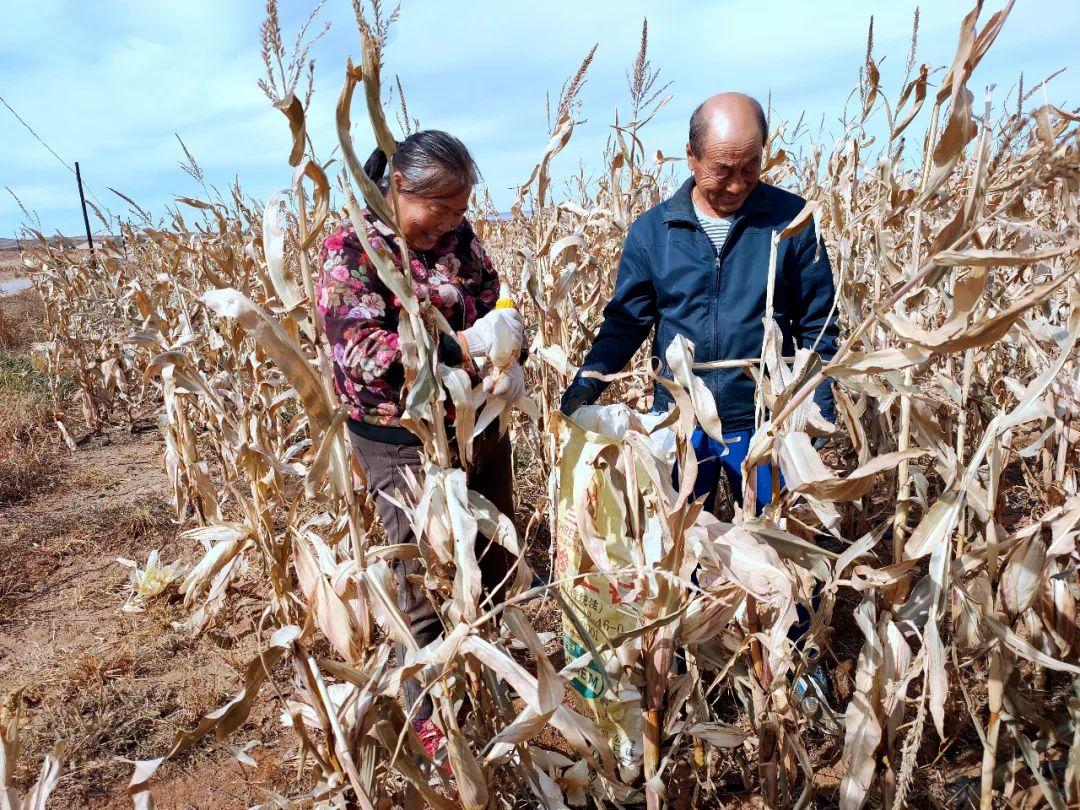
[575,397]
[820,442]
[476,341]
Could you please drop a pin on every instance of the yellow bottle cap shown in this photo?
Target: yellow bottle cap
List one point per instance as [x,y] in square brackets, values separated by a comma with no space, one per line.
[506,300]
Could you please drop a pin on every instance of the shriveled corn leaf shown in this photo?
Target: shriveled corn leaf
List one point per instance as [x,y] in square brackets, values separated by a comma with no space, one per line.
[467,585]
[47,780]
[274,250]
[862,727]
[856,364]
[550,688]
[680,358]
[381,591]
[333,617]
[148,582]
[11,798]
[372,196]
[223,544]
[581,733]
[271,338]
[960,334]
[1023,576]
[857,483]
[718,734]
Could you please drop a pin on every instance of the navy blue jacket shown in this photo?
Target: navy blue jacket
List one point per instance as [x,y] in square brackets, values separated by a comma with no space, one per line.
[668,280]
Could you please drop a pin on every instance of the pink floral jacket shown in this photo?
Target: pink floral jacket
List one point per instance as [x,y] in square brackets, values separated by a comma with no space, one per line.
[361,314]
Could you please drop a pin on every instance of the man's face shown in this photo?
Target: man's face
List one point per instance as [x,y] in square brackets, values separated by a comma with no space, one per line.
[727,169]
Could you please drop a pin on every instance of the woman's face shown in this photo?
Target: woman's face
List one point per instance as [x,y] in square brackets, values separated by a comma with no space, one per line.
[426,218]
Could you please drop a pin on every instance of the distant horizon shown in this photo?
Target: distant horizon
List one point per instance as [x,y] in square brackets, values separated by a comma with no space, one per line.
[9,243]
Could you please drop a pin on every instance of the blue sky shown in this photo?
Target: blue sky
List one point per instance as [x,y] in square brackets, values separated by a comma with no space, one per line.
[109,82]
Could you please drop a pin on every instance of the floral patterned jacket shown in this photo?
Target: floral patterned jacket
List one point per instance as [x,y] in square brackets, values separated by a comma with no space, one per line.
[361,314]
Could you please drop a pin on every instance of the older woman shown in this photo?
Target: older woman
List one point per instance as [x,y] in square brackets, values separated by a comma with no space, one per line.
[433,175]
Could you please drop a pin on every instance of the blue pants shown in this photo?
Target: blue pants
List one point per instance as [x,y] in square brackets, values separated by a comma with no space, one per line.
[714,457]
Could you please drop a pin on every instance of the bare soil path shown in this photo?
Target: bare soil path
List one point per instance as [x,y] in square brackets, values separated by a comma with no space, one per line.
[118,686]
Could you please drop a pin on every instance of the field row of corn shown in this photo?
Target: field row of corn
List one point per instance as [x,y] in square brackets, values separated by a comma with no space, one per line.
[947,489]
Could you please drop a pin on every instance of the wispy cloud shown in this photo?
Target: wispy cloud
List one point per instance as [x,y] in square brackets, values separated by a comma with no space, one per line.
[109,83]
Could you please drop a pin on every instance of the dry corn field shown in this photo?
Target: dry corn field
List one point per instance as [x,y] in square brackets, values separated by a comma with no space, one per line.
[933,538]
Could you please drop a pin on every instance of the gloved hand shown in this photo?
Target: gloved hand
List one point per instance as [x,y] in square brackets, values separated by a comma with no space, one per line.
[573,398]
[830,417]
[477,339]
[507,385]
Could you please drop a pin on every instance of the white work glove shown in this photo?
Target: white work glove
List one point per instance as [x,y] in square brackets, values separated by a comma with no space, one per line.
[507,385]
[477,340]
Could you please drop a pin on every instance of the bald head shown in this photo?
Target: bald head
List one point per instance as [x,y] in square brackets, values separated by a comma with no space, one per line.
[727,138]
[729,116]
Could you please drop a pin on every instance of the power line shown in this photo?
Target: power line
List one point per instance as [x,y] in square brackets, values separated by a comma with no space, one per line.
[41,140]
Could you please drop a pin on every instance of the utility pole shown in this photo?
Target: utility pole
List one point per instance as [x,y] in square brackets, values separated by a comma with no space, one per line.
[123,241]
[85,216]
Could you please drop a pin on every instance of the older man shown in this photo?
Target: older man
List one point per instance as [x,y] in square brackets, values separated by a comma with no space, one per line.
[697,265]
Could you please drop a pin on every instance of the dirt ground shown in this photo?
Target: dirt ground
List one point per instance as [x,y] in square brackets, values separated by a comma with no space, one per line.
[117,686]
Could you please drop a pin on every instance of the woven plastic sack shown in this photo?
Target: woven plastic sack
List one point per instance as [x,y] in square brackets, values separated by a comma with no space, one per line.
[605,598]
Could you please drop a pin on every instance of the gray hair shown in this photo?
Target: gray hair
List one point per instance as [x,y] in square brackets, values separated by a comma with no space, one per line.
[430,161]
[699,127]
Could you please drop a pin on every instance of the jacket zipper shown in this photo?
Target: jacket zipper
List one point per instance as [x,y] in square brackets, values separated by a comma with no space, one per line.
[715,288]
[718,350]
[718,281]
